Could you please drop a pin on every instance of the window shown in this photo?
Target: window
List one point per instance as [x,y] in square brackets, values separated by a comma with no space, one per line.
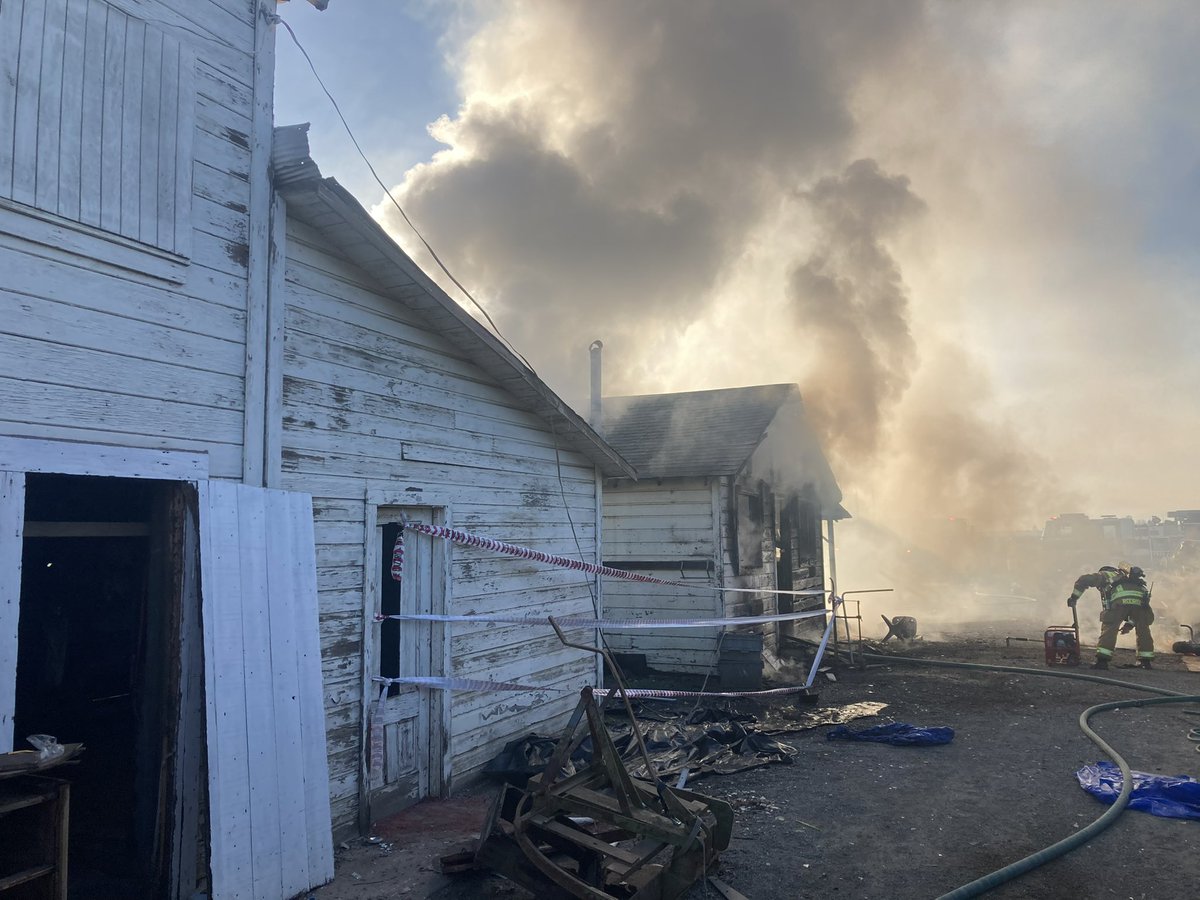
[749,531]
[96,120]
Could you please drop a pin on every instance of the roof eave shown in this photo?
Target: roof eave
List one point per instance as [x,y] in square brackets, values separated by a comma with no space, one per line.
[306,191]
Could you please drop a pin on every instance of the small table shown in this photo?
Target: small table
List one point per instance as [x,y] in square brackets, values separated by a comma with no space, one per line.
[34,820]
[34,815]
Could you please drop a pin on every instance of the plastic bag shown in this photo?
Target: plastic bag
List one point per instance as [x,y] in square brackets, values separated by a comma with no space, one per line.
[898,733]
[1169,796]
[47,746]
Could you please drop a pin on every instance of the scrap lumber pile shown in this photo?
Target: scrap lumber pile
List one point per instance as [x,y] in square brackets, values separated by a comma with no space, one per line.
[599,833]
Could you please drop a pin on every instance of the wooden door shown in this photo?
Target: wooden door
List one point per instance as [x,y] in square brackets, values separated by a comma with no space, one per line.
[411,717]
[268,776]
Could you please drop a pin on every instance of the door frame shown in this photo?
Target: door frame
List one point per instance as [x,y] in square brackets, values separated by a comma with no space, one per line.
[21,456]
[440,712]
[12,544]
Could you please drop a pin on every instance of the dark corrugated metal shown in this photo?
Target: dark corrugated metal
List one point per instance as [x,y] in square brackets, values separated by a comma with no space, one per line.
[290,160]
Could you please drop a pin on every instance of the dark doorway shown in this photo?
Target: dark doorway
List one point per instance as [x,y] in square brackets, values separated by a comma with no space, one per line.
[98,664]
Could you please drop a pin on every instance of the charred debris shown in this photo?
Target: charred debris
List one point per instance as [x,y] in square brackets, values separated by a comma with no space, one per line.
[603,810]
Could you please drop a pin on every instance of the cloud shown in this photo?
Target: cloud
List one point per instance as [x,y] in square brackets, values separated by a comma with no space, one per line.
[610,160]
[919,210]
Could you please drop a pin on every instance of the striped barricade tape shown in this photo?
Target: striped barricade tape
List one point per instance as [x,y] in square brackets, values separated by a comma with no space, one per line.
[608,624]
[468,539]
[472,684]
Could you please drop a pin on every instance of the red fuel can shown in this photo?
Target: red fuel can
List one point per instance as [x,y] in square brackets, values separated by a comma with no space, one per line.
[1062,646]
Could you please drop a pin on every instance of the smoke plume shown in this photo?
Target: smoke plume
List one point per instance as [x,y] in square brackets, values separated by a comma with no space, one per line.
[933,216]
[850,303]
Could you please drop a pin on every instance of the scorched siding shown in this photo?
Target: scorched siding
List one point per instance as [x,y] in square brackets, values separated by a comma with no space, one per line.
[376,401]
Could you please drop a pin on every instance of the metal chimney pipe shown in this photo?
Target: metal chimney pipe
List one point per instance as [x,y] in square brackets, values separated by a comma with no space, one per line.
[597,414]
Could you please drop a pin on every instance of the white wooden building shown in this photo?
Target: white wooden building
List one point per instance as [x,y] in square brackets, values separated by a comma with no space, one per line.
[399,404]
[732,491]
[216,402]
[157,600]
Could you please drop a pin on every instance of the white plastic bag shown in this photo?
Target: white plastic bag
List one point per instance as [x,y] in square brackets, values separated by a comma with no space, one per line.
[47,746]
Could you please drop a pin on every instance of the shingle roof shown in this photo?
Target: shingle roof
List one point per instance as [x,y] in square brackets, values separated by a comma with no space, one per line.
[716,433]
[694,432]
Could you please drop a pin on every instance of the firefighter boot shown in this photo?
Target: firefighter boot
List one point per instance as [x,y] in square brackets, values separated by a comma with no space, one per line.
[1100,663]
[1144,664]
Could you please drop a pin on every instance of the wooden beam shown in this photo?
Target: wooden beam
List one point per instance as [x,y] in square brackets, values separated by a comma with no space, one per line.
[273,362]
[85,529]
[12,518]
[258,241]
[20,454]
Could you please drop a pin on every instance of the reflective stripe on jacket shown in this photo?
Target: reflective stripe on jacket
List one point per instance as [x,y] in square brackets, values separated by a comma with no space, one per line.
[1129,595]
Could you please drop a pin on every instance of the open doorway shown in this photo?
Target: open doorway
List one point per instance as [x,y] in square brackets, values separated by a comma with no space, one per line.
[98,663]
[413,720]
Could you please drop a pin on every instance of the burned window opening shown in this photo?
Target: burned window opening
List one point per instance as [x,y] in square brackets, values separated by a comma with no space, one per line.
[389,605]
[749,530]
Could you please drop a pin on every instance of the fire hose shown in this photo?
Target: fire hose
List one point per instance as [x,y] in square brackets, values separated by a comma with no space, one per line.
[994,879]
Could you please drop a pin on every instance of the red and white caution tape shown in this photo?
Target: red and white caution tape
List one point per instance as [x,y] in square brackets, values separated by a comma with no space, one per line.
[651,693]
[471,684]
[610,624]
[458,684]
[467,539]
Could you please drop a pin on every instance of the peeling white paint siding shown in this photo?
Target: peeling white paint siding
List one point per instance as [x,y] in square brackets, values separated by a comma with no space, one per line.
[669,521]
[376,402]
[124,221]
[674,519]
[135,239]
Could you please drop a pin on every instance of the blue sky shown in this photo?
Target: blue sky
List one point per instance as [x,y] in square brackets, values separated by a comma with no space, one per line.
[381,60]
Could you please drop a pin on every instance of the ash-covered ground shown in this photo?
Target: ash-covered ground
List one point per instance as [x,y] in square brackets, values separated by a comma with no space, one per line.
[860,820]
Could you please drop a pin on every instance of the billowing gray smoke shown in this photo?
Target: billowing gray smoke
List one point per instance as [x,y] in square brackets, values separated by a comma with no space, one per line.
[851,305]
[613,163]
[902,206]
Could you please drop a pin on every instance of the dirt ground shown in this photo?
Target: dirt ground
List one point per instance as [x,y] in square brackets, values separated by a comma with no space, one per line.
[858,820]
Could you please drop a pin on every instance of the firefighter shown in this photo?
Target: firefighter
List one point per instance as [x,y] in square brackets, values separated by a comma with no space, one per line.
[1125,601]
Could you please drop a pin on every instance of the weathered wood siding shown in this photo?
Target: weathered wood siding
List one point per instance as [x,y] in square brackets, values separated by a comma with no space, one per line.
[669,522]
[376,402]
[691,518]
[124,195]
[135,120]
[267,772]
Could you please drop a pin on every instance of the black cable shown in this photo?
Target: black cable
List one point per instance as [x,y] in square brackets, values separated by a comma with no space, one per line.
[449,274]
[553,431]
[395,202]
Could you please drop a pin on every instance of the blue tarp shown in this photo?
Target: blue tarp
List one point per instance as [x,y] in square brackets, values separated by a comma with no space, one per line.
[899,733]
[1169,796]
